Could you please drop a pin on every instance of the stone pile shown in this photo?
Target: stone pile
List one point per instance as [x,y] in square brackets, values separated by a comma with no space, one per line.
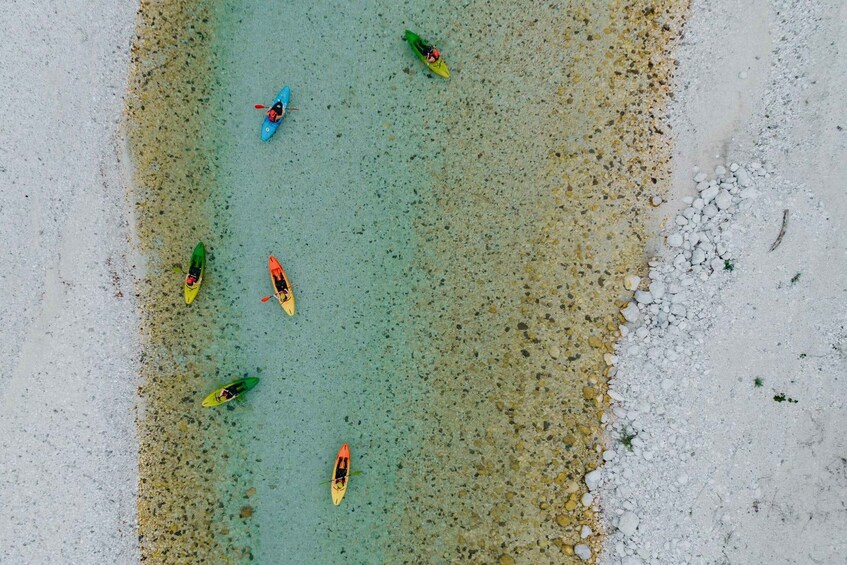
[658,352]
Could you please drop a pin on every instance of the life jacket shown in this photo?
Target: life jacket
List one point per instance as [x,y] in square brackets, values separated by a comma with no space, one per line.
[272,115]
[435,53]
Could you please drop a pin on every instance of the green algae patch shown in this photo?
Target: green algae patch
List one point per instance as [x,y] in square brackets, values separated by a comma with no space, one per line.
[189,497]
[543,161]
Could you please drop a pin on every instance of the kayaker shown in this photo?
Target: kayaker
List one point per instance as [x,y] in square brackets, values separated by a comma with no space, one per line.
[432,53]
[193,276]
[226,394]
[341,472]
[282,288]
[277,112]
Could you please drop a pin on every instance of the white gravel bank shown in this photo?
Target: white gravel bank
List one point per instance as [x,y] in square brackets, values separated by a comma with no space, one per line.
[727,434]
[68,331]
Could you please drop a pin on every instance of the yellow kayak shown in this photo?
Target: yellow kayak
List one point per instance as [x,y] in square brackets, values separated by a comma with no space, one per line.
[282,288]
[340,474]
[194,278]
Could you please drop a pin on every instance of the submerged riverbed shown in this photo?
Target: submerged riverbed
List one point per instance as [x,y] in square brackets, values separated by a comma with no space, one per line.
[456,249]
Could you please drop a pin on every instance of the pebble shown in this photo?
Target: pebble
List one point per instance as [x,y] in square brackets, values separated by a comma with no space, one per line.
[675,240]
[593,478]
[698,256]
[710,211]
[723,200]
[585,532]
[709,193]
[643,297]
[700,177]
[631,313]
[608,455]
[628,523]
[631,282]
[554,351]
[681,221]
[656,201]
[582,551]
[743,177]
[587,499]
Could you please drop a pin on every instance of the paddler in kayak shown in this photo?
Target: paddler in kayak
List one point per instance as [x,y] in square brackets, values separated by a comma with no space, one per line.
[281,288]
[341,472]
[277,112]
[193,275]
[225,394]
[431,53]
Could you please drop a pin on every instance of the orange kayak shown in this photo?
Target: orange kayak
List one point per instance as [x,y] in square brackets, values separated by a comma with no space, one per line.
[340,474]
[279,280]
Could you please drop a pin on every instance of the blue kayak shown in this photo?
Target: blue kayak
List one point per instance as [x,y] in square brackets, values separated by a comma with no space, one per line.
[268,127]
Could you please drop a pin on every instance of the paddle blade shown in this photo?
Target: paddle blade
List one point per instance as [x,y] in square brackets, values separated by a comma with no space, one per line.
[178,269]
[355,473]
[265,299]
[259,106]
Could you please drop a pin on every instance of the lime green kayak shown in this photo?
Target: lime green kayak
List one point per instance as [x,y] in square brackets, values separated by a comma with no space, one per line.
[233,391]
[422,49]
[195,273]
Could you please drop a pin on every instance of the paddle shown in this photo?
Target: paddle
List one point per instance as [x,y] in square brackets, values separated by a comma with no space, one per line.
[178,269]
[265,299]
[261,107]
[352,474]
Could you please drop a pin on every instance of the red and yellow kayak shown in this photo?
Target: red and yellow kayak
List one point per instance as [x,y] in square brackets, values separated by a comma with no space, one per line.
[279,280]
[340,474]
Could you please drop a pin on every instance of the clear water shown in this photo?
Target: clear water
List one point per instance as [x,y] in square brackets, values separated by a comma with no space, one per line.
[453,245]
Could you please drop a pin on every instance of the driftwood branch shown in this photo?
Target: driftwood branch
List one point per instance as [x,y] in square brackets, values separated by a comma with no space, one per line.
[781,230]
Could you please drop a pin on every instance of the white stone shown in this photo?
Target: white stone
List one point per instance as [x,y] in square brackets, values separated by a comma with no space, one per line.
[709,193]
[593,478]
[582,551]
[681,221]
[585,532]
[720,170]
[643,297]
[675,240]
[723,200]
[710,211]
[657,289]
[733,167]
[587,499]
[688,213]
[631,282]
[743,177]
[628,523]
[608,455]
[631,313]
[678,310]
[698,204]
[698,256]
[700,177]
[656,201]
